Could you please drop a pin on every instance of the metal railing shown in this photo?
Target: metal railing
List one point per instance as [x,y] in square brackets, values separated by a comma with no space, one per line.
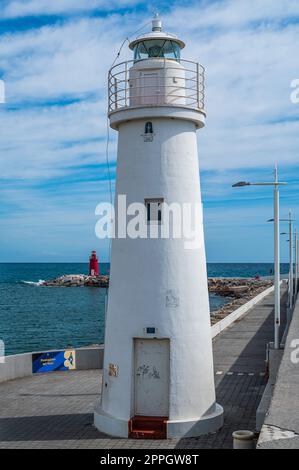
[178,83]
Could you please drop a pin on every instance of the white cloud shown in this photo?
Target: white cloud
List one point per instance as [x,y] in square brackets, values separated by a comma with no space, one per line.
[231,13]
[248,75]
[249,50]
[59,60]
[20,8]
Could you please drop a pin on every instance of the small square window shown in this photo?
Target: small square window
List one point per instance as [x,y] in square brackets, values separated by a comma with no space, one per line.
[154,210]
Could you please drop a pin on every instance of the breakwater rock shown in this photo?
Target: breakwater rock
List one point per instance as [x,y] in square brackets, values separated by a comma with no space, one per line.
[78,280]
[237,287]
[239,290]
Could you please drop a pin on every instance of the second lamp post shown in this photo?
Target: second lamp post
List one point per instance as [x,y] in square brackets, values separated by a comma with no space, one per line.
[276,185]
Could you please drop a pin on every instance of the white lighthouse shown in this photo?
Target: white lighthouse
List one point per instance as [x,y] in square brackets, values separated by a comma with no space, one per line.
[158,377]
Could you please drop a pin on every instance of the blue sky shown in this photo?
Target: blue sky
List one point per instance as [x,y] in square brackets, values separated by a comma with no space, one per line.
[54,57]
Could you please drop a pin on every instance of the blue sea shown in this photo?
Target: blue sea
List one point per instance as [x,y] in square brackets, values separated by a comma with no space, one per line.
[35,318]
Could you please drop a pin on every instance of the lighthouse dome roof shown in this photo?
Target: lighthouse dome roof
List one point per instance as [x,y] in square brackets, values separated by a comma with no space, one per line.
[157,34]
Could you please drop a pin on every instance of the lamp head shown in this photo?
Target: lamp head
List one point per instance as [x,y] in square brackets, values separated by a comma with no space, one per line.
[240,184]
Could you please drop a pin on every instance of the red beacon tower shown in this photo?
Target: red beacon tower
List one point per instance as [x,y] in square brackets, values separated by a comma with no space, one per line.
[93,264]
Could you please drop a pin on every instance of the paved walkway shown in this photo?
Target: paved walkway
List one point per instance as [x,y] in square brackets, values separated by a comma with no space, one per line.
[55,410]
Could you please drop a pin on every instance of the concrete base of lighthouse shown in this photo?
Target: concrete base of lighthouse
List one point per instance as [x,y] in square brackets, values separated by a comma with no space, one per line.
[109,424]
[195,427]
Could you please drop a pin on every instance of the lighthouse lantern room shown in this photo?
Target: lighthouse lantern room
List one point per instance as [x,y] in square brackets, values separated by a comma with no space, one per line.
[158,378]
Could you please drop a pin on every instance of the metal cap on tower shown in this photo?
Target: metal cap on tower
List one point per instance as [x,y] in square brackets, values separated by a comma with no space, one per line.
[156,23]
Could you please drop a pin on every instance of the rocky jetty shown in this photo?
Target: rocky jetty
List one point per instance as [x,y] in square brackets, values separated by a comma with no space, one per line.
[239,290]
[237,287]
[78,280]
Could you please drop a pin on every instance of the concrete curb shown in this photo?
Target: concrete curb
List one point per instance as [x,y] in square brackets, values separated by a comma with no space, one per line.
[239,313]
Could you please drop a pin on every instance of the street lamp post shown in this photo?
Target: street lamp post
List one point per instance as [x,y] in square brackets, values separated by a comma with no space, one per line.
[276,263]
[296,263]
[276,185]
[290,290]
[291,269]
[291,261]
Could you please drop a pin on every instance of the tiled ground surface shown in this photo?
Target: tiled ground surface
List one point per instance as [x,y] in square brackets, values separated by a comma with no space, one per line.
[55,410]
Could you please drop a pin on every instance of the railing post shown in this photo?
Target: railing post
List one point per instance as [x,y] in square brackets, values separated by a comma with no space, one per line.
[108,91]
[115,91]
[164,92]
[126,83]
[197,83]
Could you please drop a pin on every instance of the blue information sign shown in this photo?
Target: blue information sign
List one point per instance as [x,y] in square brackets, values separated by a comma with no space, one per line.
[53,360]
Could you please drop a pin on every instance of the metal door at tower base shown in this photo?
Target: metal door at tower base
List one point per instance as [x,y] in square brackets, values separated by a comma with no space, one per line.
[152,364]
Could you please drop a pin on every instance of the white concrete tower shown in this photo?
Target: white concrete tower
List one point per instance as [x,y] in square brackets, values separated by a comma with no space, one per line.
[158,364]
